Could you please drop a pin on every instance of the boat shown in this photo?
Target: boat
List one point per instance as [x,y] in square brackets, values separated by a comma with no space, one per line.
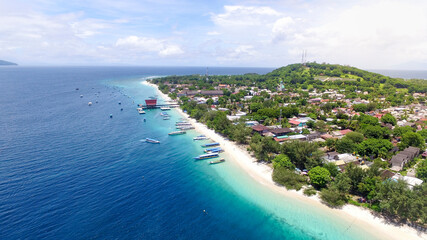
[200,137]
[210,144]
[185,127]
[150,140]
[140,110]
[89,103]
[177,133]
[217,161]
[207,156]
[164,114]
[182,124]
[166,118]
[165,108]
[214,150]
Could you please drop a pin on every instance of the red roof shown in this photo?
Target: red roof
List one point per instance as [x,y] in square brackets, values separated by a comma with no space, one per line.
[326,136]
[345,131]
[294,122]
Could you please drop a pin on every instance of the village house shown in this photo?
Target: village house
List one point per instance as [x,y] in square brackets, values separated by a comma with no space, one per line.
[261,129]
[399,160]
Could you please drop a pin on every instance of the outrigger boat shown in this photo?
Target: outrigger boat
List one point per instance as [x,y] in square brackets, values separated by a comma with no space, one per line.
[177,133]
[185,127]
[214,150]
[183,124]
[150,140]
[210,144]
[207,156]
[201,137]
[217,161]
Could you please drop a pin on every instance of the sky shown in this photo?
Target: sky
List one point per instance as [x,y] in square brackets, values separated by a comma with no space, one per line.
[370,34]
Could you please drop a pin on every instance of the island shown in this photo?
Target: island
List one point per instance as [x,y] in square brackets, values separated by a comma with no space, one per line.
[342,134]
[6,63]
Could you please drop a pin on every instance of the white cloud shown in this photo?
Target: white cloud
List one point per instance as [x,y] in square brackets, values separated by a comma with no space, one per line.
[244,16]
[143,44]
[370,35]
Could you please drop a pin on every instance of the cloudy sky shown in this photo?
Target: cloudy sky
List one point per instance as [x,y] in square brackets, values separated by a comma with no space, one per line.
[371,34]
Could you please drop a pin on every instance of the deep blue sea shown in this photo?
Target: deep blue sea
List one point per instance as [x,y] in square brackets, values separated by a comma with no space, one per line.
[69,171]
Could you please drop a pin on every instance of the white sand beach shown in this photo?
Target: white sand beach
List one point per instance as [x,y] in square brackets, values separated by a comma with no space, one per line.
[361,218]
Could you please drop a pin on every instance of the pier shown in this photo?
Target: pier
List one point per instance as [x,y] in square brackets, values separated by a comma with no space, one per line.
[171,105]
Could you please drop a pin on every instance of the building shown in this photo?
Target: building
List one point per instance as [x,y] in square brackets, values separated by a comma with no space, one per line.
[261,129]
[280,131]
[399,160]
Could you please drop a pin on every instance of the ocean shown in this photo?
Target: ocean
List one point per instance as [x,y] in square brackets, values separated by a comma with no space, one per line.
[69,171]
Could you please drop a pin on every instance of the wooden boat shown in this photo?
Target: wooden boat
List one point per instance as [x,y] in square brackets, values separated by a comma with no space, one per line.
[210,144]
[177,133]
[150,140]
[185,127]
[217,161]
[207,156]
[201,137]
[214,150]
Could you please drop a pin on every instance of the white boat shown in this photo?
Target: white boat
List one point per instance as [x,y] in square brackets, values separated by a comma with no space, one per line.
[150,140]
[165,108]
[201,137]
[89,103]
[140,111]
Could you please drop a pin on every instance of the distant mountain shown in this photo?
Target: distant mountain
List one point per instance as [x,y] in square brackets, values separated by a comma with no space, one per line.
[4,63]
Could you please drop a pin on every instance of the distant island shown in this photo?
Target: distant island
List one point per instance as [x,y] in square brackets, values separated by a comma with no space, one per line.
[6,63]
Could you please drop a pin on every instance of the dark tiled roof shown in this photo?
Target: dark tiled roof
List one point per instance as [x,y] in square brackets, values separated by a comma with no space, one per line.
[259,128]
[280,130]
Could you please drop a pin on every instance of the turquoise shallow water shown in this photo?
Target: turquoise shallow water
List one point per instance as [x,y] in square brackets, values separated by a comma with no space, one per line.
[68,171]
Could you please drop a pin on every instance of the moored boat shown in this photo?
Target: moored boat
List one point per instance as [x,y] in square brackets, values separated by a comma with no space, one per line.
[140,111]
[183,124]
[166,118]
[164,114]
[177,133]
[165,108]
[210,144]
[214,150]
[185,127]
[217,161]
[207,156]
[200,137]
[150,140]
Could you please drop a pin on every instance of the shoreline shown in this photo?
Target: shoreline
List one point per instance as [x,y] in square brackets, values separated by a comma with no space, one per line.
[361,218]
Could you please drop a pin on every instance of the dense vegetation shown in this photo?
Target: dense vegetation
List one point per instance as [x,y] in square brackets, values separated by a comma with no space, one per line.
[370,140]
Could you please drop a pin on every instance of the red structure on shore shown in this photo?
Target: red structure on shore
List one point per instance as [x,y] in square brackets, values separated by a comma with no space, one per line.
[151,103]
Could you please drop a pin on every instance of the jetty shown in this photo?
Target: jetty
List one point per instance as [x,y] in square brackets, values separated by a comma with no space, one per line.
[152,103]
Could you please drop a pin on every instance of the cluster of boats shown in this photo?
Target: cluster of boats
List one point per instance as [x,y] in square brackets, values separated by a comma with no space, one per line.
[211,152]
